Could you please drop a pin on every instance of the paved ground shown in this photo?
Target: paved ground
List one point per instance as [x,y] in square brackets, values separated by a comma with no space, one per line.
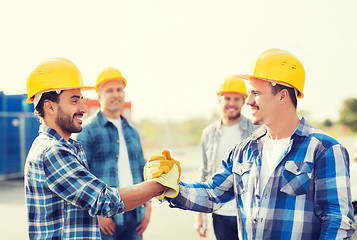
[166,223]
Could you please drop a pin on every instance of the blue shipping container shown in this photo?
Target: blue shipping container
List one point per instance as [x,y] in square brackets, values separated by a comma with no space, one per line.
[18,129]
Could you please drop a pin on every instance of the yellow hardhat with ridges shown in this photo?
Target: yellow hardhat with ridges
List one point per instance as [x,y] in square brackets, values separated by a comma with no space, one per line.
[54,74]
[233,84]
[281,67]
[109,74]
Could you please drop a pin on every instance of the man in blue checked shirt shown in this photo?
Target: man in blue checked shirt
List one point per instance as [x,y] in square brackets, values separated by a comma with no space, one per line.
[289,179]
[115,155]
[63,197]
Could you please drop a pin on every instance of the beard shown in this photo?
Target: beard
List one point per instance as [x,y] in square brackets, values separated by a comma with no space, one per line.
[231,117]
[65,122]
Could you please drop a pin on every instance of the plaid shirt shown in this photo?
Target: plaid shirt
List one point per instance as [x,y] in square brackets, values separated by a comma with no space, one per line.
[307,196]
[62,196]
[100,141]
[210,139]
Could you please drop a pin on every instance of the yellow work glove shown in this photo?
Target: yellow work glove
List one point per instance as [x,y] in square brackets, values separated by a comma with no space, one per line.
[157,165]
[166,171]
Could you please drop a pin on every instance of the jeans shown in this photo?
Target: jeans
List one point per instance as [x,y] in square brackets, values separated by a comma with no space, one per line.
[225,227]
[126,231]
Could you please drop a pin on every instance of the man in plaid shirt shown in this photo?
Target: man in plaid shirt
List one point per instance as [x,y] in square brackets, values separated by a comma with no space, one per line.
[289,179]
[63,197]
[119,159]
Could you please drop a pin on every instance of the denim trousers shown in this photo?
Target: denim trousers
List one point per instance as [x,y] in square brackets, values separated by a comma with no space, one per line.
[225,227]
[126,231]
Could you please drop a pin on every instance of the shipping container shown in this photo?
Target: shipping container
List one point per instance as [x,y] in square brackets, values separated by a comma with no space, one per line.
[18,128]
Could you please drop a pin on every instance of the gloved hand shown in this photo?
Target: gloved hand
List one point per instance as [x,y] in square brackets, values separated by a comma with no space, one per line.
[166,171]
[157,165]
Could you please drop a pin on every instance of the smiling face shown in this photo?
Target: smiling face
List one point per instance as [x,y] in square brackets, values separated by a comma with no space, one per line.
[69,112]
[264,105]
[111,96]
[231,105]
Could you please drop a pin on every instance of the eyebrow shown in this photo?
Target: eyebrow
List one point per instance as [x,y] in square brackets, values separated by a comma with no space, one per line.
[77,96]
[254,91]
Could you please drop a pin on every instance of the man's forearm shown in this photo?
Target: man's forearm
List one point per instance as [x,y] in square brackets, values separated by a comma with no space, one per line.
[138,194]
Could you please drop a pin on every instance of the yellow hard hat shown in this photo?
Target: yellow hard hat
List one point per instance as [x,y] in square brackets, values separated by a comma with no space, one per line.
[107,75]
[233,84]
[281,67]
[54,74]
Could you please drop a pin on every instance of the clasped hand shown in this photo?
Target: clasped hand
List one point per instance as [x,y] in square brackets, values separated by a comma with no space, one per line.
[166,171]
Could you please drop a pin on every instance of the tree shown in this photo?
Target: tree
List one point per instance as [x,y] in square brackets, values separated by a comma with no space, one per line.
[348,114]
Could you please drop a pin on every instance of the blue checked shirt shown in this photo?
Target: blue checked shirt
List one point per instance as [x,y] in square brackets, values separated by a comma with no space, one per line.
[100,141]
[62,196]
[307,196]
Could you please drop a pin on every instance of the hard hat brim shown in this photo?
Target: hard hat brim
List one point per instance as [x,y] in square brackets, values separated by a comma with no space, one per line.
[249,77]
[83,88]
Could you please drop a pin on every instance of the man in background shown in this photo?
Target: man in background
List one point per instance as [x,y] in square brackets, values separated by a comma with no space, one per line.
[217,140]
[115,155]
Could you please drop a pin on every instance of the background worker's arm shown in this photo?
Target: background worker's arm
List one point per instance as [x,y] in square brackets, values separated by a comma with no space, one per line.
[200,225]
[138,194]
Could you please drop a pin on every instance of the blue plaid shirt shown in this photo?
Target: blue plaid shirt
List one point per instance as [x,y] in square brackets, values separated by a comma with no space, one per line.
[100,141]
[62,196]
[307,196]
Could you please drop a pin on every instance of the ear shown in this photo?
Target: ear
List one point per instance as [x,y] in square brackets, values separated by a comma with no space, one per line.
[284,95]
[49,107]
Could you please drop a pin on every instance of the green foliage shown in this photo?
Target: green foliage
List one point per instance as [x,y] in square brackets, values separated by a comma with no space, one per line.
[155,134]
[348,114]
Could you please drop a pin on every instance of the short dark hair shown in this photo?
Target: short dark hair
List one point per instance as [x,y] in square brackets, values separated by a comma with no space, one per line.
[278,87]
[52,96]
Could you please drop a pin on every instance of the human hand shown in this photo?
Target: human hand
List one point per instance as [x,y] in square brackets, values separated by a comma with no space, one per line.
[164,170]
[157,165]
[107,225]
[200,225]
[145,222]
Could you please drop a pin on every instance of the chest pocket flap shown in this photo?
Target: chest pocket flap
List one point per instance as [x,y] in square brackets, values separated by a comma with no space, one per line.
[241,175]
[296,177]
[242,168]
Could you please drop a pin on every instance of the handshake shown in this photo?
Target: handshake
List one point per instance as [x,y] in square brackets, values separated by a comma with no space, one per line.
[164,170]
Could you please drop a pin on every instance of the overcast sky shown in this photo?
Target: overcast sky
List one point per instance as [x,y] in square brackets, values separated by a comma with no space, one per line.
[175,54]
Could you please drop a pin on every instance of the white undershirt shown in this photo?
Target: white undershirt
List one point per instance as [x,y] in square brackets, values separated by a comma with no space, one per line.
[124,170]
[231,136]
[272,152]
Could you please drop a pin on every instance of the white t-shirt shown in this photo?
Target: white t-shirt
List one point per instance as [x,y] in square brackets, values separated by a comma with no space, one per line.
[231,136]
[124,170]
[272,152]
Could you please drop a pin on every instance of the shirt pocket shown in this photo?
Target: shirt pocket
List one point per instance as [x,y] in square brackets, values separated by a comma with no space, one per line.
[296,178]
[241,174]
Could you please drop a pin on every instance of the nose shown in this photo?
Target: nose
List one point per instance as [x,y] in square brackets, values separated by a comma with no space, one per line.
[250,100]
[83,108]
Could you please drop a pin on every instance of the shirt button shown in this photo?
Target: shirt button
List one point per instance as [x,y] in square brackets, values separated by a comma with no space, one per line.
[117,141]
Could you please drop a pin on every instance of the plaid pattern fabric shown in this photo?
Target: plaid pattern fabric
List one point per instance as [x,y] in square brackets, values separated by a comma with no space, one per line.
[210,138]
[100,141]
[307,196]
[62,196]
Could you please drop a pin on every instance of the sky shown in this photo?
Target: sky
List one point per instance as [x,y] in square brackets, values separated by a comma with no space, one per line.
[175,53]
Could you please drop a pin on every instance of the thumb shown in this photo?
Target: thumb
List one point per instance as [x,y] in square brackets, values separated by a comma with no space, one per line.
[167,154]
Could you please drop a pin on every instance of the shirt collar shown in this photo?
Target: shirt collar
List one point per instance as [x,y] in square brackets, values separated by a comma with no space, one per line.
[303,129]
[50,132]
[103,120]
